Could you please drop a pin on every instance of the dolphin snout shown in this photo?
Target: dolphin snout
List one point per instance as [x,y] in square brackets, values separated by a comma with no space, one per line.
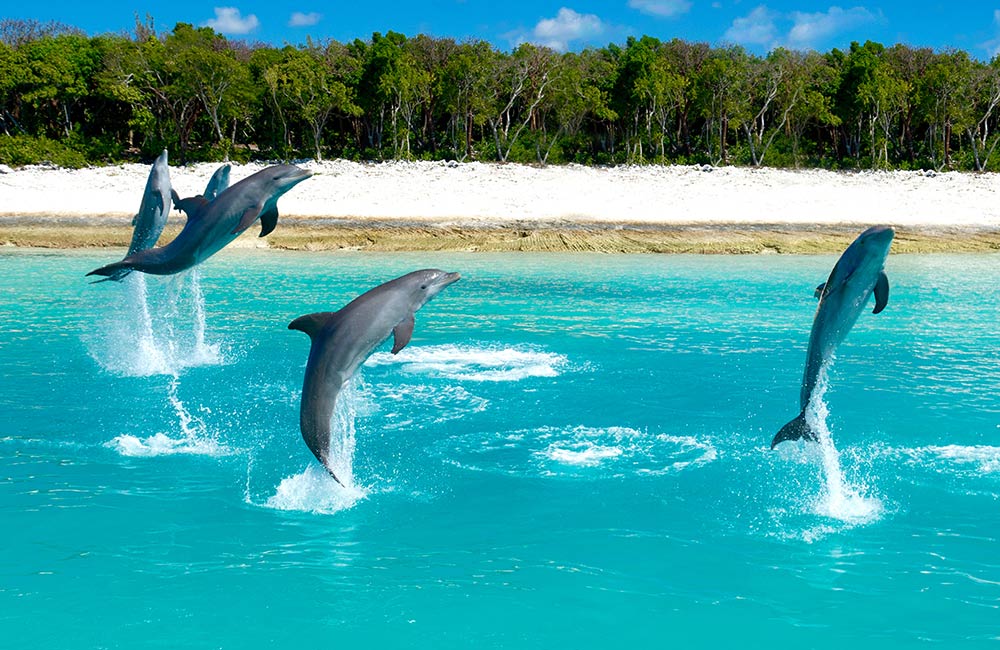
[450,278]
[880,233]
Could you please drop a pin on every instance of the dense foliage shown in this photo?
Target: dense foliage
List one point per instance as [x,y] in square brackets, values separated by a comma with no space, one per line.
[69,98]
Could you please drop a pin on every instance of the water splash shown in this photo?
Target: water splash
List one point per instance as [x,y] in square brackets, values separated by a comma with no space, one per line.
[194,436]
[314,490]
[468,363]
[154,332]
[577,452]
[839,499]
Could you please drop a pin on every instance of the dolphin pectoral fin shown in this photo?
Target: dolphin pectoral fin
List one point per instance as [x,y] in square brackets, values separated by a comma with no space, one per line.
[268,220]
[797,428]
[881,292]
[819,290]
[249,216]
[192,206]
[312,324]
[401,333]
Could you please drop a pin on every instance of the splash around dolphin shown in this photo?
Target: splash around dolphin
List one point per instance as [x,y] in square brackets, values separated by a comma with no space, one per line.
[211,225]
[342,340]
[855,277]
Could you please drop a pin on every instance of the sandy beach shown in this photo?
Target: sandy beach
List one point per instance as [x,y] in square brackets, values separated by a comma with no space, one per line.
[475,206]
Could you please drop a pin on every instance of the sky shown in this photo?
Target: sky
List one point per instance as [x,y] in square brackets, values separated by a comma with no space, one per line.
[759,25]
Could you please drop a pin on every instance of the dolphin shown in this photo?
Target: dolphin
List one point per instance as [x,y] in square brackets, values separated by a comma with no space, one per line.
[218,182]
[857,274]
[342,340]
[213,224]
[149,222]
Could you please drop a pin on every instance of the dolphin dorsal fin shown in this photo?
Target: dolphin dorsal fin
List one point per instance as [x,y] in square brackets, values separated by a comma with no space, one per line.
[313,324]
[819,290]
[401,334]
[881,292]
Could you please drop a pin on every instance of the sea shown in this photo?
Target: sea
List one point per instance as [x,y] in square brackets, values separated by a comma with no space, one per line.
[572,452]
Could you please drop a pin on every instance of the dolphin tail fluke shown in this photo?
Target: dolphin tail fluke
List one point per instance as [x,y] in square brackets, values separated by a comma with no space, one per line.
[116,272]
[330,472]
[794,430]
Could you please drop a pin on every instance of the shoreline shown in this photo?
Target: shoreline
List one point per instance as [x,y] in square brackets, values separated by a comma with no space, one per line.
[308,234]
[448,206]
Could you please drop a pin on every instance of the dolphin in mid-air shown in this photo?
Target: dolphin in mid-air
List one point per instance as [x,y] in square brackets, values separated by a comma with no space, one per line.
[342,340]
[213,224]
[151,218]
[218,182]
[857,274]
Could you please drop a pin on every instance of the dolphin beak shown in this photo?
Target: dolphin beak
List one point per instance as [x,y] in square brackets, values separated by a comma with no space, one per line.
[450,278]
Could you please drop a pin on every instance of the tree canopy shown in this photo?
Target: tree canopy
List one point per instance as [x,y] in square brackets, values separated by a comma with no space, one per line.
[205,97]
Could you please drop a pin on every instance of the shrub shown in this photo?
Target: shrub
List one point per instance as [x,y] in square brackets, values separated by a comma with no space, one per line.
[20,150]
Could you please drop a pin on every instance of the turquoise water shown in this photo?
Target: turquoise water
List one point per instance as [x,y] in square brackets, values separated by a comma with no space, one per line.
[572,452]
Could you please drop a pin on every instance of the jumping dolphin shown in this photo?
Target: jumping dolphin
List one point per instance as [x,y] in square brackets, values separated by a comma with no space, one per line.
[213,224]
[154,209]
[342,340]
[857,274]
[149,222]
[218,183]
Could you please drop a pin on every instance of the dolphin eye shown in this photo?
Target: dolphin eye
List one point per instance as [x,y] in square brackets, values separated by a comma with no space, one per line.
[423,286]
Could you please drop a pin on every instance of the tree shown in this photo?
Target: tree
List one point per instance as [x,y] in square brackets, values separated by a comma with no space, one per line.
[723,95]
[304,84]
[519,84]
[202,63]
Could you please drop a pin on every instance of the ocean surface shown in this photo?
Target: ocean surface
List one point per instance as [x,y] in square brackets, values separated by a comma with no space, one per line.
[572,452]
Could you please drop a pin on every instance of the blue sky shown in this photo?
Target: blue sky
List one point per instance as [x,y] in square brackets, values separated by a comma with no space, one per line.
[572,24]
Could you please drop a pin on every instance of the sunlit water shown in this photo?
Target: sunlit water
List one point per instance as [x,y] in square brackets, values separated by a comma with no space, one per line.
[572,452]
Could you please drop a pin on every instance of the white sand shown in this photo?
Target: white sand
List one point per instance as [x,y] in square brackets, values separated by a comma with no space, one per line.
[480,194]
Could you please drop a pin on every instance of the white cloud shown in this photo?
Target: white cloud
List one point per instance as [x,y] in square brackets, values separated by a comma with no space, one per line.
[664,8]
[300,19]
[757,28]
[993,45]
[797,29]
[229,21]
[567,26]
[810,30]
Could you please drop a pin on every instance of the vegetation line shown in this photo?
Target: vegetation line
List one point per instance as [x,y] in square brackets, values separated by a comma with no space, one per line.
[74,100]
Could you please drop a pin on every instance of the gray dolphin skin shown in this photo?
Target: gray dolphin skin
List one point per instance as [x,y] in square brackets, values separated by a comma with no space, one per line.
[213,224]
[342,340]
[154,209]
[218,182]
[857,275]
[149,222]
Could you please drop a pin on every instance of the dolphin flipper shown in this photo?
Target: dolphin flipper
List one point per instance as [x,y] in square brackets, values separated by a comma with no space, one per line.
[249,216]
[401,334]
[797,428]
[191,206]
[819,290]
[268,220]
[881,292]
